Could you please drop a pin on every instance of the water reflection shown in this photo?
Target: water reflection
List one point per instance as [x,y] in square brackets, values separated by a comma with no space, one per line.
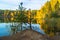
[5,29]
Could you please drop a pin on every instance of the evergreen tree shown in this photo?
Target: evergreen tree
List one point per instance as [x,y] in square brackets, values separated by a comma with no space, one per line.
[22,18]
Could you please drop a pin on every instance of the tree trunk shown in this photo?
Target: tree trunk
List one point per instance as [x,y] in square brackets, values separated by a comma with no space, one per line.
[21,26]
[30,23]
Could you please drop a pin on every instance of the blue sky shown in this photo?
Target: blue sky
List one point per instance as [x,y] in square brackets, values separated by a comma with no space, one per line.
[13,4]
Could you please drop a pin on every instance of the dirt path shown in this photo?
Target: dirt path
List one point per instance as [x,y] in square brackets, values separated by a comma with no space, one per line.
[27,35]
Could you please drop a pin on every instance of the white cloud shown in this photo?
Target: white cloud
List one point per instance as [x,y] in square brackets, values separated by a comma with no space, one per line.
[10,1]
[13,4]
[5,6]
[34,4]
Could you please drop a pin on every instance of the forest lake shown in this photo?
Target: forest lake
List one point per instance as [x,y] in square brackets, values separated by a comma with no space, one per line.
[5,29]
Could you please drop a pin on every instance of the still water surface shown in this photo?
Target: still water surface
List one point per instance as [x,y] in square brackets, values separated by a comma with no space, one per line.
[5,29]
